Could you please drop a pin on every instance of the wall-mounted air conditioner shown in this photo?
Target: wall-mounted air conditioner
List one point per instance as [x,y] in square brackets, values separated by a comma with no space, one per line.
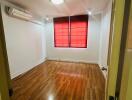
[21,14]
[18,13]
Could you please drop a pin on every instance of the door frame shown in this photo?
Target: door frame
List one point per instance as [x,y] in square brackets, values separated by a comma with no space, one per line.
[114,47]
[5,82]
[126,88]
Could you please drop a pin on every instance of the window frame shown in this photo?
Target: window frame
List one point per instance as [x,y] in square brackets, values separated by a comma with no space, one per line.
[69,31]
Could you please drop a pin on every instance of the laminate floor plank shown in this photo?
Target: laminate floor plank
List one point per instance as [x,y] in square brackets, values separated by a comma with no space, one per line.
[54,80]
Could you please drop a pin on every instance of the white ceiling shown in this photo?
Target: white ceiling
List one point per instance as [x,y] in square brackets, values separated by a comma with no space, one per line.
[45,8]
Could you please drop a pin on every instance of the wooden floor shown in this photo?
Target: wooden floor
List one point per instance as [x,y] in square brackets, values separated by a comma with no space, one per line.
[54,80]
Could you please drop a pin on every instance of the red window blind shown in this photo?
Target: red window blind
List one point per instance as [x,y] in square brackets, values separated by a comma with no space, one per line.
[71,31]
[61,30]
[78,31]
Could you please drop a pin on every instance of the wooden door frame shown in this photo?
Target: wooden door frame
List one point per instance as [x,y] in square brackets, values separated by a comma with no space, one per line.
[126,88]
[123,46]
[115,43]
[5,83]
[110,45]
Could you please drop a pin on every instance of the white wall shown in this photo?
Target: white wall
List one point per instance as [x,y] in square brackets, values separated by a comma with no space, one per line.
[104,35]
[25,47]
[90,54]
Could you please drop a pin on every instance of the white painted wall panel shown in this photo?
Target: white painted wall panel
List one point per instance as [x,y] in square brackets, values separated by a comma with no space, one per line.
[90,54]
[25,47]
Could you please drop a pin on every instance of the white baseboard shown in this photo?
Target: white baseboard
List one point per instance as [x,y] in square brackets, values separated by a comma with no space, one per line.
[71,60]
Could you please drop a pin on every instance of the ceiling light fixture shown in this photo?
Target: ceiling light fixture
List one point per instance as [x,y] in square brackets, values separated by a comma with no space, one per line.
[89,12]
[57,2]
[47,18]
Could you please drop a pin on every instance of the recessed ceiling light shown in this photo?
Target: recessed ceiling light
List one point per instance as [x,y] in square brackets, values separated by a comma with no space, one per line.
[57,2]
[47,18]
[89,12]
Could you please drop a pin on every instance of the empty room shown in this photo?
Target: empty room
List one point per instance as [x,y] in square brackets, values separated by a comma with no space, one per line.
[58,49]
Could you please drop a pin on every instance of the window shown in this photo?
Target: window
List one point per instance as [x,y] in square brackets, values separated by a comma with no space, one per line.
[61,30]
[71,31]
[78,31]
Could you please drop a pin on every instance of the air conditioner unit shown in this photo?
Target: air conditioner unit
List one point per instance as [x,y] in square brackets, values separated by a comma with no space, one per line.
[18,13]
[21,14]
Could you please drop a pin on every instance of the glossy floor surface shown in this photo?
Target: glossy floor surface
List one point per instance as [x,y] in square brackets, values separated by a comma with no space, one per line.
[54,80]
